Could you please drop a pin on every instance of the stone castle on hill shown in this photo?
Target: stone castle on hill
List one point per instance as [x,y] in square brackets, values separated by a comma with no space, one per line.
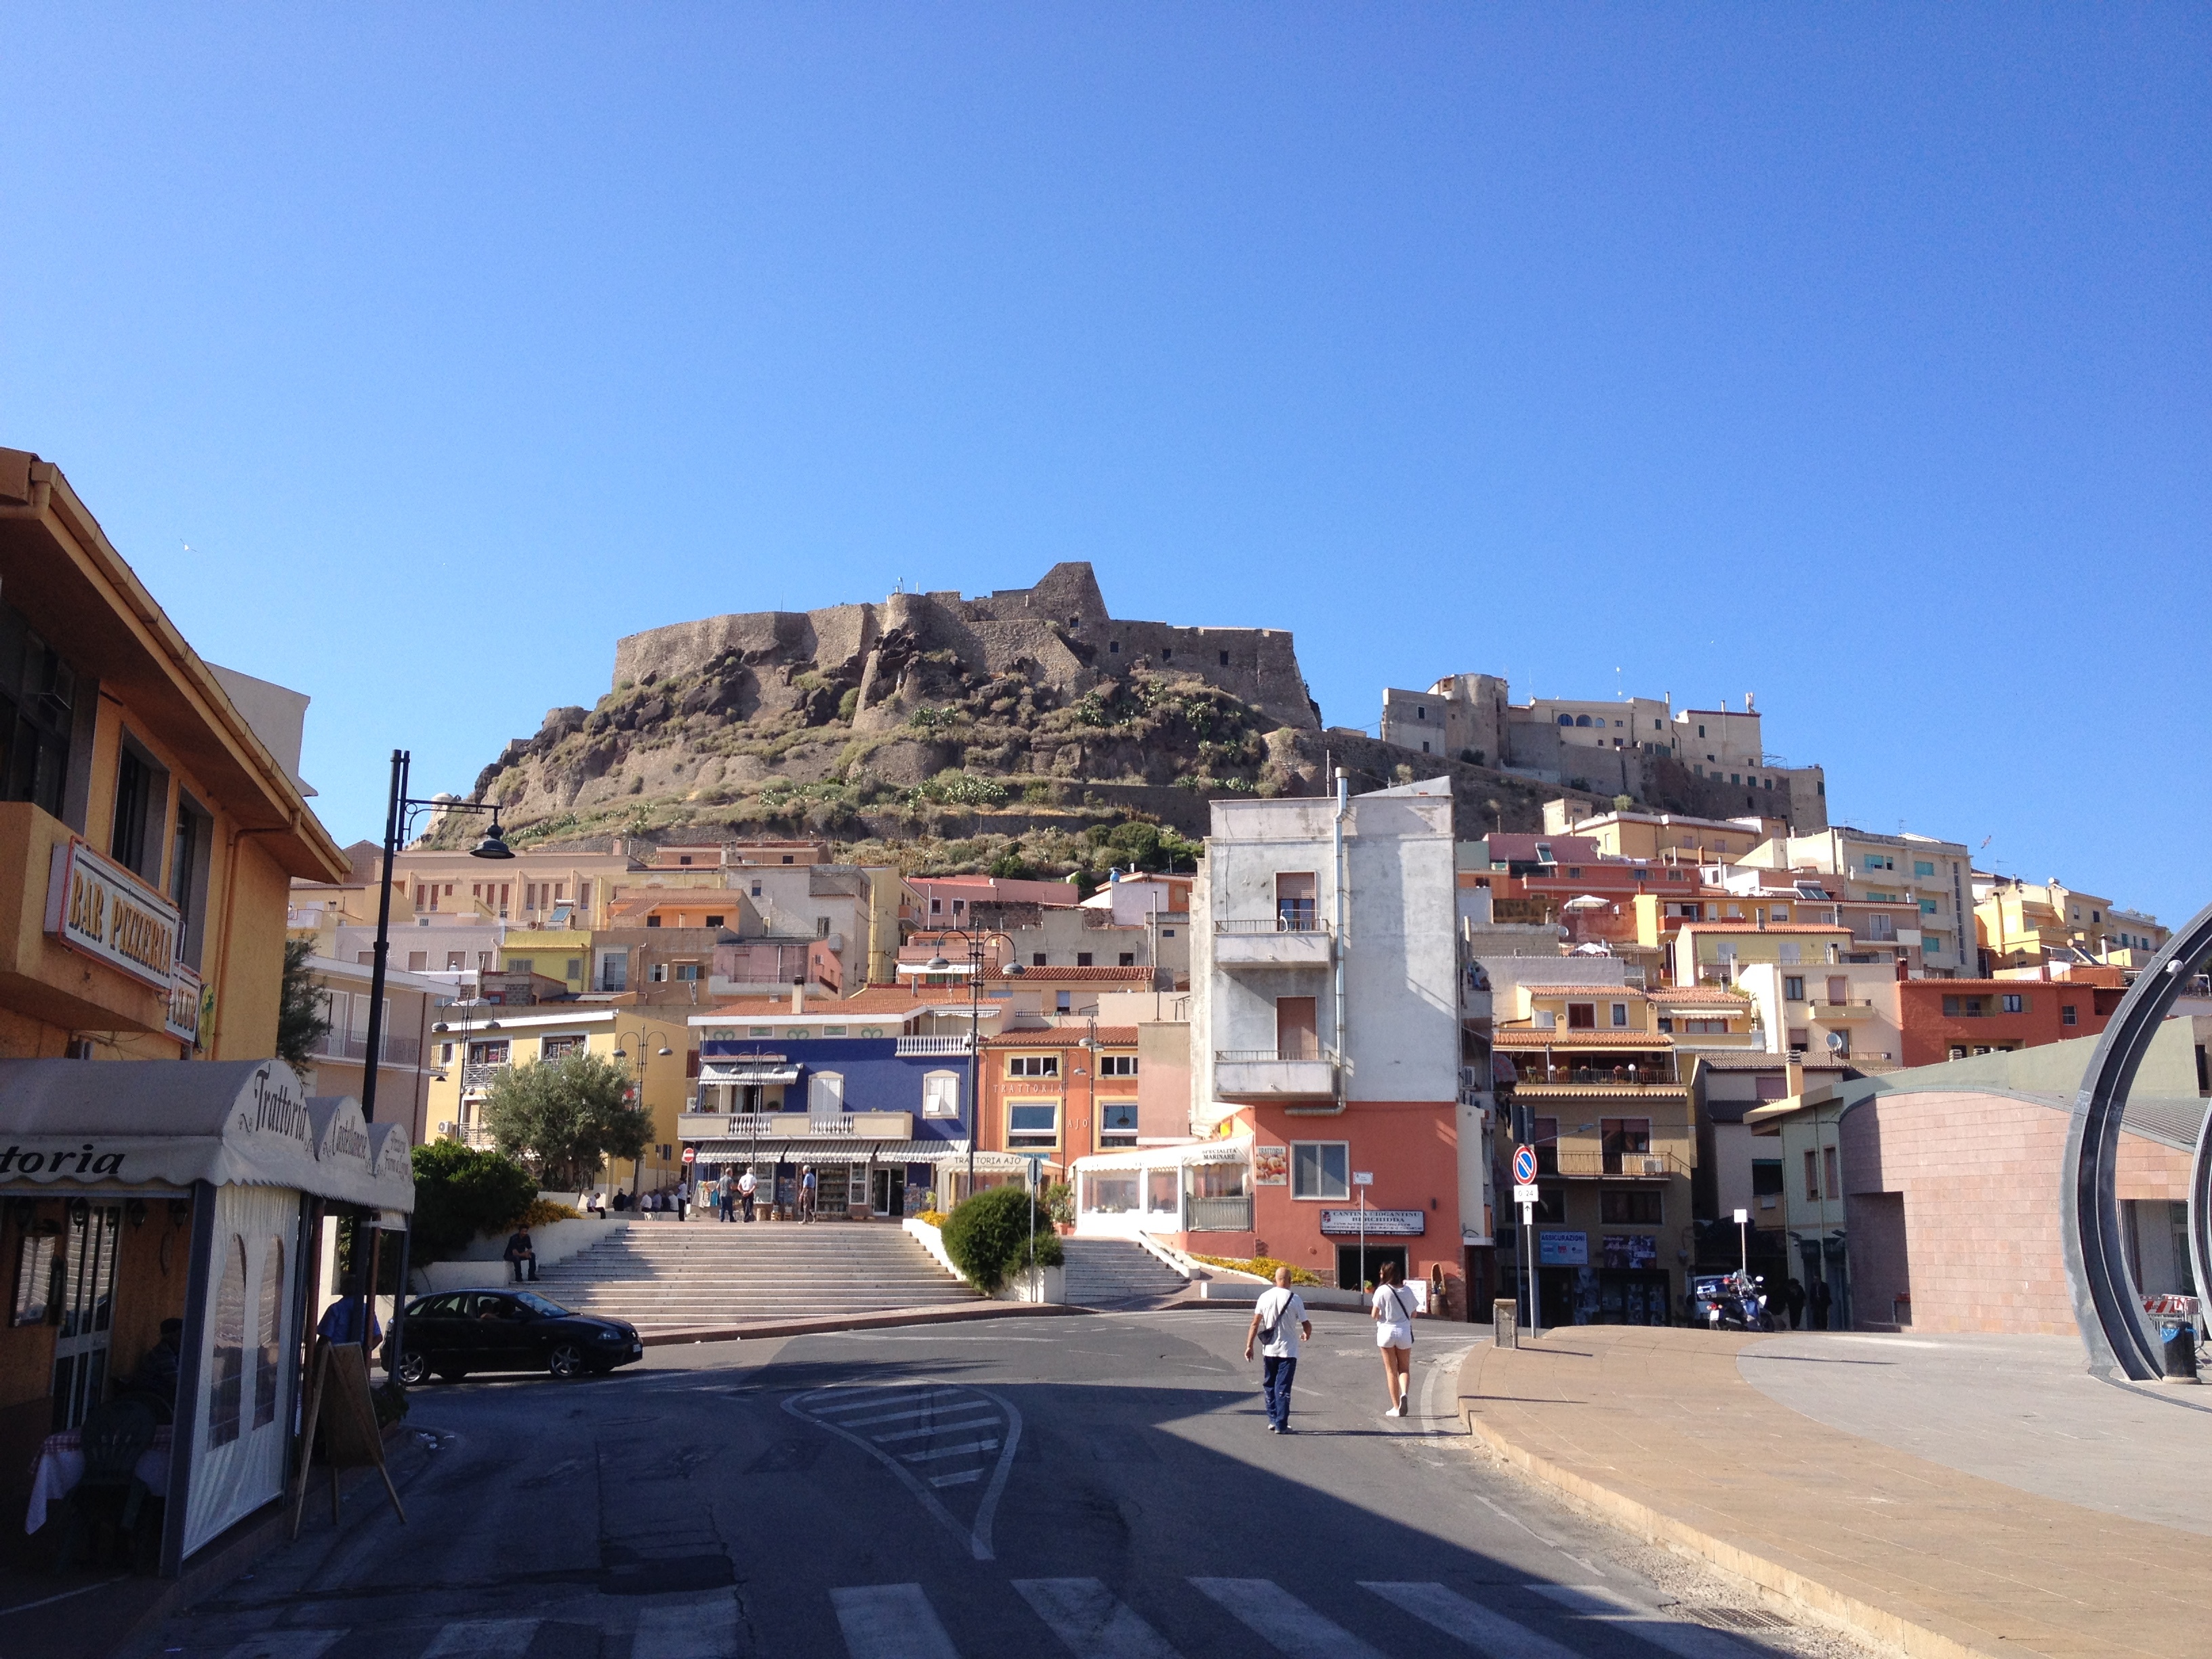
[1058,633]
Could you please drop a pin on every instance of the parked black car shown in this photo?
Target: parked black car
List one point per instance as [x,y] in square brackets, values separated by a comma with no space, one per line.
[457,1332]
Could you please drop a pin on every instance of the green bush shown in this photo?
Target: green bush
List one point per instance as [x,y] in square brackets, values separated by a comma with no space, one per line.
[1058,1200]
[460,1192]
[988,1238]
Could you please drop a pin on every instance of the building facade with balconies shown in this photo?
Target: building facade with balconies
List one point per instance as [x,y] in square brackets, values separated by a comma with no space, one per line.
[338,1063]
[1325,1026]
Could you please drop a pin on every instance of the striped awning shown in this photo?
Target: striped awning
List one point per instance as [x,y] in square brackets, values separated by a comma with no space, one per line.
[748,1074]
[835,1149]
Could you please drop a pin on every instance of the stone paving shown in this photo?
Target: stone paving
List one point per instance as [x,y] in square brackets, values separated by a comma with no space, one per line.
[1659,1429]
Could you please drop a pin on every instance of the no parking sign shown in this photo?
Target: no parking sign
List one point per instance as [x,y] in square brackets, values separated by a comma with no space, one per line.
[1524,1165]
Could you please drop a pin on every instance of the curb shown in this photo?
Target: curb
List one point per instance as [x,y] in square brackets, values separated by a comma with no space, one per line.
[954,1314]
[1787,1582]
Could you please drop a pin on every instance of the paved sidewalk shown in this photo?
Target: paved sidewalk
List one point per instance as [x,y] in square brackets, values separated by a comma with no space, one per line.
[1659,1429]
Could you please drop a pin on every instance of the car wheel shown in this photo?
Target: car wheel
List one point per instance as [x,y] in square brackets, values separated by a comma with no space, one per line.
[566,1361]
[412,1369]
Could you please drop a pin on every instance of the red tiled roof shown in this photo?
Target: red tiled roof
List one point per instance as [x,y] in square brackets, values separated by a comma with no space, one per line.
[1063,1037]
[1081,976]
[1521,1037]
[1761,1062]
[868,1000]
[1598,990]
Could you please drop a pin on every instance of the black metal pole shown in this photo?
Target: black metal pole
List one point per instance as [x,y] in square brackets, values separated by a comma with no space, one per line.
[975,1049]
[371,1062]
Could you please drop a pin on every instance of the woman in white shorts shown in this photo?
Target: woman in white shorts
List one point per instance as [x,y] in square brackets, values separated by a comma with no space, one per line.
[1392,1314]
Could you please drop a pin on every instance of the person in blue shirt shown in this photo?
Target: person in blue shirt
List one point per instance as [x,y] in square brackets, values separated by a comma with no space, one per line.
[341,1321]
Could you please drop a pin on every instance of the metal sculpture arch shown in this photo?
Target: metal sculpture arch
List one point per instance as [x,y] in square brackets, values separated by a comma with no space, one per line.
[2113,1325]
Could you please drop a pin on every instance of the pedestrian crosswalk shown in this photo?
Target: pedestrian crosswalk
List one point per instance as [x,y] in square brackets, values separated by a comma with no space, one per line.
[948,1444]
[1088,1620]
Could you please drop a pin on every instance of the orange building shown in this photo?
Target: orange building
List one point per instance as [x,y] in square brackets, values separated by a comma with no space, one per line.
[1050,1091]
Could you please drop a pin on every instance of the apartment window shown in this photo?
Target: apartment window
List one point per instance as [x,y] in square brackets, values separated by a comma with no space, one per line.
[192,844]
[1296,1035]
[38,697]
[1036,958]
[1632,1204]
[1032,1123]
[1621,1139]
[825,1095]
[1812,1176]
[714,921]
[492,1052]
[418,961]
[483,962]
[1128,959]
[687,972]
[2014,1003]
[575,965]
[2066,1014]
[657,974]
[1548,1144]
[141,811]
[1771,1088]
[760,1030]
[1793,987]
[1224,659]
[1063,1002]
[560,1048]
[1922,867]
[1033,1065]
[787,858]
[1777,913]
[1320,1169]
[1789,951]
[522,965]
[1582,1016]
[941,1094]
[1083,958]
[445,1053]
[1117,1123]
[1927,907]
[456,961]
[652,920]
[614,971]
[1295,901]
[1117,1065]
[1619,1016]
[1828,1169]
[822,928]
[757,893]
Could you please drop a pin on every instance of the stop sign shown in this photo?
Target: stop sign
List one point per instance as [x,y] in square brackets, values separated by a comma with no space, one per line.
[690,1154]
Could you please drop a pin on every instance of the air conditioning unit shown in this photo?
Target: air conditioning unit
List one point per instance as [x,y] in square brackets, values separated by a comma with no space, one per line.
[1654,1166]
[446,1128]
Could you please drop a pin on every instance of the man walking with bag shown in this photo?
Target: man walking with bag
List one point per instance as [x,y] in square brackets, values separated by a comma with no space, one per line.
[1279,1321]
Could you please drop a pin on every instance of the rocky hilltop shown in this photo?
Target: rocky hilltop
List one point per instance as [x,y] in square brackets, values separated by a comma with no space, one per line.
[1027,730]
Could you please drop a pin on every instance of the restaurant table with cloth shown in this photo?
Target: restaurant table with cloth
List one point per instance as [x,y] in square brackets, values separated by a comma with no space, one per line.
[60,1465]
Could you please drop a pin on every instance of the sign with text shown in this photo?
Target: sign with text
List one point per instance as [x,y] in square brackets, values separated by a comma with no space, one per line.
[1379,1224]
[183,1019]
[1271,1166]
[1556,1249]
[1527,1195]
[1363,1177]
[102,911]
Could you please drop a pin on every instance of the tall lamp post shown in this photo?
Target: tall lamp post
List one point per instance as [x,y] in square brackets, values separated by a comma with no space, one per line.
[637,1167]
[978,943]
[398,820]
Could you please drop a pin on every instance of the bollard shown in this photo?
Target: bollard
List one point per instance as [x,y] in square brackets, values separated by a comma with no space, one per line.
[2177,1349]
[1505,1322]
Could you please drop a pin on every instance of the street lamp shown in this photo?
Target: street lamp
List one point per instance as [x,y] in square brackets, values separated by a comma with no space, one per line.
[977,943]
[637,1167]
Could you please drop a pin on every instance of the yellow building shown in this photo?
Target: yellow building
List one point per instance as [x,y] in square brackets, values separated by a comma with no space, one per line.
[1668,837]
[564,954]
[1713,952]
[474,1042]
[2027,924]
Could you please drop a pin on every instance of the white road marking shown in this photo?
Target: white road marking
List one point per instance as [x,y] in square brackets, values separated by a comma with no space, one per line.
[987,1422]
[891,1621]
[285,1645]
[959,1480]
[688,1626]
[977,1532]
[890,1417]
[1678,1636]
[883,1396]
[482,1638]
[1278,1618]
[1087,1615]
[951,1451]
[1478,1627]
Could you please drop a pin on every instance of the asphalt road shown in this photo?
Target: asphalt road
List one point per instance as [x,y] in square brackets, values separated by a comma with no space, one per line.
[1101,1486]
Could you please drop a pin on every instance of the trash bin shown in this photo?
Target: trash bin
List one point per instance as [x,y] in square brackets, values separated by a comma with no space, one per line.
[2177,1342]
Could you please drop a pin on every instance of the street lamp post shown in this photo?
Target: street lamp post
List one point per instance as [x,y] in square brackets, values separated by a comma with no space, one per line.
[637,1166]
[398,819]
[977,943]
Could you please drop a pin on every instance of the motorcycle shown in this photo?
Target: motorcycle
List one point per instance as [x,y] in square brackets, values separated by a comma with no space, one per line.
[1733,1302]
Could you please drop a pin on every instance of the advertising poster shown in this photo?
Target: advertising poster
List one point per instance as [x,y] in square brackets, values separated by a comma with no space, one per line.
[1271,1166]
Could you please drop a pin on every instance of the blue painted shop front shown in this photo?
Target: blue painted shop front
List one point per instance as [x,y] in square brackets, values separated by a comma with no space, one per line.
[793,1103]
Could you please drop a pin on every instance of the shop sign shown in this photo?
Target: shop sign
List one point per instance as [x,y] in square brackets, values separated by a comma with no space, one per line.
[1631,1251]
[1559,1250]
[1271,1166]
[1380,1224]
[183,1019]
[99,910]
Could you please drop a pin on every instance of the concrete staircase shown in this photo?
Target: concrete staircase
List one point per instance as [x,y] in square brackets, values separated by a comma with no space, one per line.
[1112,1272]
[662,1275]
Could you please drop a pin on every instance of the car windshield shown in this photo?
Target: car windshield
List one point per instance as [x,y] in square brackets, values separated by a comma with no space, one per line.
[540,1306]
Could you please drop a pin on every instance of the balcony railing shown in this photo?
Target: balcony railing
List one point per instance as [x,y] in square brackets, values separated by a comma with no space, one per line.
[1627,1074]
[481,1075]
[1849,1009]
[397,1050]
[1220,1215]
[925,1046]
[1262,1056]
[1284,924]
[1644,1166]
[468,1135]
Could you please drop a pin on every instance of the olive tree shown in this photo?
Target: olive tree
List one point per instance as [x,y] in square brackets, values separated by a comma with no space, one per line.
[567,1116]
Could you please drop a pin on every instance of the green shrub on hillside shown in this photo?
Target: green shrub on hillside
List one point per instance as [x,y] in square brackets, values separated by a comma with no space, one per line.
[990,1235]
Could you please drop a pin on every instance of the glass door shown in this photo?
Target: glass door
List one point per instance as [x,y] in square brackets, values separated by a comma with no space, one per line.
[887,1192]
[87,1311]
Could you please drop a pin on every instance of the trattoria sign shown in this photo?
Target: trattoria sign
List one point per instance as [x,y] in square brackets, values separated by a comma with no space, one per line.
[99,910]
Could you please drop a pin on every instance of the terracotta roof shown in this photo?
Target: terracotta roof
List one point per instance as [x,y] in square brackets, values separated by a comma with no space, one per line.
[1063,1037]
[869,1000]
[1761,1062]
[1082,976]
[1596,991]
[1518,1038]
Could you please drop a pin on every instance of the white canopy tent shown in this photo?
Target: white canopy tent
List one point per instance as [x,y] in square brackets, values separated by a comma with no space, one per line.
[241,1144]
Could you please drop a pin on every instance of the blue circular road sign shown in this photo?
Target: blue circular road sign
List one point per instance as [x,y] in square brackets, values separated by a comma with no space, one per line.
[1524,1165]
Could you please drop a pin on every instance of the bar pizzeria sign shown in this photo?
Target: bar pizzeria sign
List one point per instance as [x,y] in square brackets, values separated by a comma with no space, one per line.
[97,909]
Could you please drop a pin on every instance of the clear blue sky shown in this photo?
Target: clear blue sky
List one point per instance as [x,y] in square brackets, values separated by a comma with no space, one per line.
[1856,358]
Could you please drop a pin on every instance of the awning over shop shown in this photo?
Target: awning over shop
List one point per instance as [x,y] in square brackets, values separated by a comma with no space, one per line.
[69,1124]
[839,1149]
[1231,1149]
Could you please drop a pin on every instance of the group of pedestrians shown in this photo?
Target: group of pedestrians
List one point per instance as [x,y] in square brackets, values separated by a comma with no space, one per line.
[1808,1309]
[1280,1324]
[733,1195]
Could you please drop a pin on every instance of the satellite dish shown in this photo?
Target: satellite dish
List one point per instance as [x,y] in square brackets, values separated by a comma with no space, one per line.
[1835,1042]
